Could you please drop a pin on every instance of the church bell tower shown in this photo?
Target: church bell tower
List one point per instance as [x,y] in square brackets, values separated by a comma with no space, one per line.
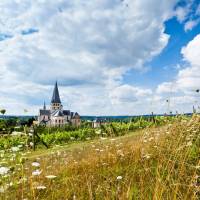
[55,101]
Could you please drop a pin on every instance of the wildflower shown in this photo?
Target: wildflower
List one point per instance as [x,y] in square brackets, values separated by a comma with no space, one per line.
[20,146]
[120,153]
[31,144]
[41,187]
[4,170]
[51,176]
[119,178]
[74,197]
[15,149]
[10,184]
[189,144]
[22,180]
[2,190]
[35,164]
[36,172]
[147,156]
[104,164]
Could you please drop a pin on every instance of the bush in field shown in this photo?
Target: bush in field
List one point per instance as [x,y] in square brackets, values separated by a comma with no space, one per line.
[2,125]
[6,142]
[61,137]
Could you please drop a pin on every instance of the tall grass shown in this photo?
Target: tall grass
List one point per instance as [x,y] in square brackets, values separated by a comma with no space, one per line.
[159,163]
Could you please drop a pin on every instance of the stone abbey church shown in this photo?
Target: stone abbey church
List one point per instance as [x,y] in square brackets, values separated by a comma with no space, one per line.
[56,115]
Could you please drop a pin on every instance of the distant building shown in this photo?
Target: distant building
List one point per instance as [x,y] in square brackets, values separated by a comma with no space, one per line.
[56,115]
[98,122]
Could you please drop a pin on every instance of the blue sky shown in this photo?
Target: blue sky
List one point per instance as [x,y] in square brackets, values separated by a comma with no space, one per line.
[164,66]
[110,57]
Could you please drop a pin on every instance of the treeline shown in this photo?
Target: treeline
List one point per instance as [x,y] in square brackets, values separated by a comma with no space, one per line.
[67,134]
[7,126]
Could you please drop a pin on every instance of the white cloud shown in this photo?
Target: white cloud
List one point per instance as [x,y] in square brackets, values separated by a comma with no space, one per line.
[198,10]
[128,94]
[189,25]
[87,45]
[191,52]
[182,13]
[188,14]
[188,79]
[166,87]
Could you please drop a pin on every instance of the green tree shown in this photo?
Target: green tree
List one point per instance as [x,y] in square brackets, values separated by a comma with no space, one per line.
[3,111]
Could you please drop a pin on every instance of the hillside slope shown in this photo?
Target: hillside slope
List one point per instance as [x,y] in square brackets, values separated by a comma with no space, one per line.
[157,163]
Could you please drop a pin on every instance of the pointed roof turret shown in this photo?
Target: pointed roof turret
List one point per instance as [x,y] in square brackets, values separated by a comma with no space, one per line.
[56,96]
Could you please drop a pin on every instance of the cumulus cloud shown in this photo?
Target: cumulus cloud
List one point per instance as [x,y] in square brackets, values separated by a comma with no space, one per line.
[189,25]
[128,94]
[94,36]
[188,78]
[87,45]
[187,82]
[166,87]
[182,13]
[188,14]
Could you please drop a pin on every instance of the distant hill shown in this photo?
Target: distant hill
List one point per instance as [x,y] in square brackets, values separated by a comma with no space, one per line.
[87,117]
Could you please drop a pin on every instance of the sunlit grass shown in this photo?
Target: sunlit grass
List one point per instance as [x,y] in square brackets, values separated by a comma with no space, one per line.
[158,163]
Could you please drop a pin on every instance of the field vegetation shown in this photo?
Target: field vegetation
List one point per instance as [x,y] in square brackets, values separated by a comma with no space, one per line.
[68,134]
[152,162]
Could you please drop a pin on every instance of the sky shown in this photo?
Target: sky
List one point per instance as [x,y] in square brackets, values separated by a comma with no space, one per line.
[110,57]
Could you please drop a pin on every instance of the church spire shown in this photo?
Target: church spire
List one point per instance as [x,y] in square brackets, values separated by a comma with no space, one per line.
[44,107]
[56,96]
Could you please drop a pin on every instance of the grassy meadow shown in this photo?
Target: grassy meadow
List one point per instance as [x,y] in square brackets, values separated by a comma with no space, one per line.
[161,162]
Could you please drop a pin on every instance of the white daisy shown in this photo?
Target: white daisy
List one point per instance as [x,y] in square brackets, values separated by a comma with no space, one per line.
[35,164]
[119,178]
[36,172]
[4,170]
[51,176]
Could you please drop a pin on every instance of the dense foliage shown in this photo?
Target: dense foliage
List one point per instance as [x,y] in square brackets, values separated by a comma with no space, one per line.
[67,134]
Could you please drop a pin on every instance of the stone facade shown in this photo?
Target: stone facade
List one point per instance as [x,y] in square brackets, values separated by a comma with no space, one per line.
[56,115]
